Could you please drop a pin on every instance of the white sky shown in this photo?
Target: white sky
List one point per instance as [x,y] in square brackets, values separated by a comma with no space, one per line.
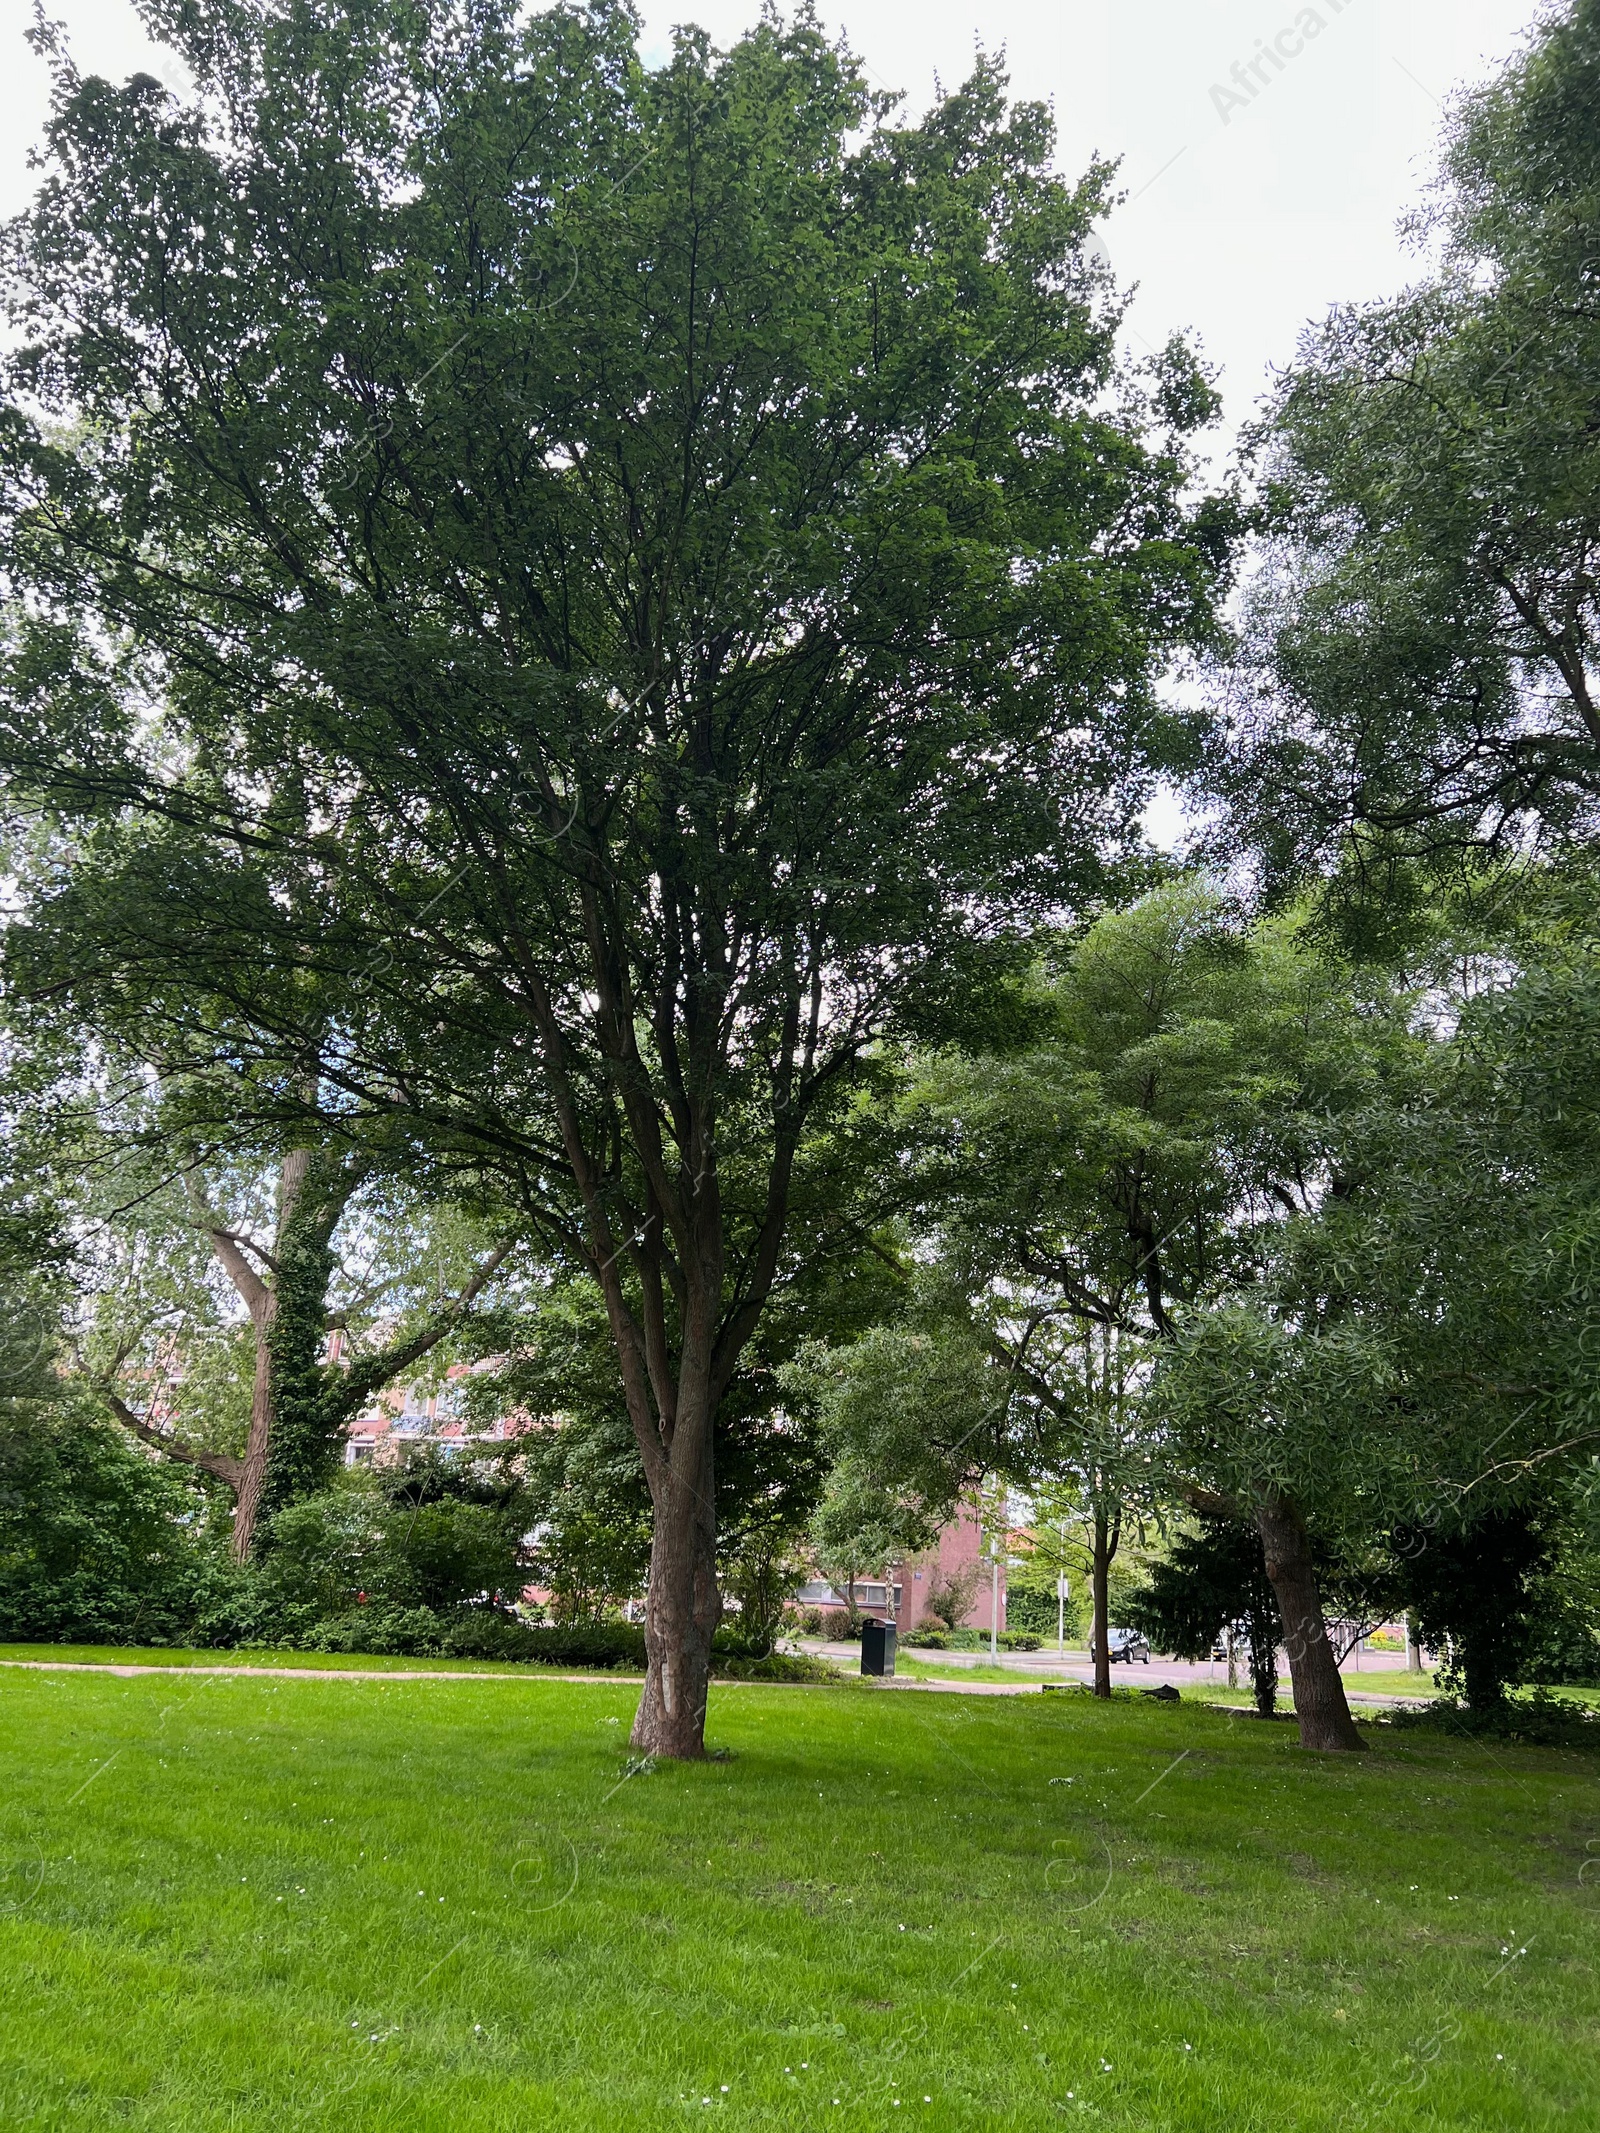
[1247,216]
[1242,223]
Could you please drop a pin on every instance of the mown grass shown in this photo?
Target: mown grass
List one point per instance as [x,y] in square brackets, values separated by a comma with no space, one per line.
[266,1903]
[166,1655]
[915,1668]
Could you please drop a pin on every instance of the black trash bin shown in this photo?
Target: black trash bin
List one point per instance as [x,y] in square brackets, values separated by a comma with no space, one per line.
[877,1646]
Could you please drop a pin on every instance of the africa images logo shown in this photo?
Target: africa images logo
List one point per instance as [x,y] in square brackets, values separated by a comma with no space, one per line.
[1250,76]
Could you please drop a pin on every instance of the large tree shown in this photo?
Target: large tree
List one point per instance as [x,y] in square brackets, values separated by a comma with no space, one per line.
[1421,1344]
[1420,662]
[665,557]
[1129,1170]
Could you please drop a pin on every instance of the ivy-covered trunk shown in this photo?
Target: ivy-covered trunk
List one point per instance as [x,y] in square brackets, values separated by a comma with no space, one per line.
[306,1422]
[289,1448]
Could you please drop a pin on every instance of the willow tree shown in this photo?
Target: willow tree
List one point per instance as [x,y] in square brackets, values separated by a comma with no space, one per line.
[1129,1174]
[1421,669]
[683,535]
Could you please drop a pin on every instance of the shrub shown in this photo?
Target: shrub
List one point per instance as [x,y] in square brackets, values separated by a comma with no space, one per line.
[99,1543]
[477,1633]
[432,1533]
[395,1632]
[970,1640]
[1536,1719]
[777,1666]
[607,1644]
[951,1596]
[758,1580]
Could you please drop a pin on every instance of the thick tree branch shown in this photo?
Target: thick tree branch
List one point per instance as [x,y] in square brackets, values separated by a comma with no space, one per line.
[219,1464]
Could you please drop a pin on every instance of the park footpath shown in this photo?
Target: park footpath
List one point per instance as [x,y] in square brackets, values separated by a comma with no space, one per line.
[1036,1672]
[1041,1669]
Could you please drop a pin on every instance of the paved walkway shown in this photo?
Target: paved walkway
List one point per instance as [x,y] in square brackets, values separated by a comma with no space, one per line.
[1035,1668]
[850,1654]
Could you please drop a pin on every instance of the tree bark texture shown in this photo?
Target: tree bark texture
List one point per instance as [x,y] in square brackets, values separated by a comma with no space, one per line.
[1099,1576]
[261,1300]
[682,1610]
[1319,1698]
[258,1443]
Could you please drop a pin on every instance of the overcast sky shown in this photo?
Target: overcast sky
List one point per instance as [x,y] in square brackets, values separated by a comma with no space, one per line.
[1255,200]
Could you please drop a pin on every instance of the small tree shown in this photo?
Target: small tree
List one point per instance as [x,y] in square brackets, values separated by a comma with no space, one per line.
[1209,1581]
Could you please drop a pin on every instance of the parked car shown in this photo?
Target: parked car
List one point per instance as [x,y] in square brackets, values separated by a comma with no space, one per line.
[1126,1646]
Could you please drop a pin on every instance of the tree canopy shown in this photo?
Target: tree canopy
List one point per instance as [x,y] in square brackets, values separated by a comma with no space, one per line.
[580,594]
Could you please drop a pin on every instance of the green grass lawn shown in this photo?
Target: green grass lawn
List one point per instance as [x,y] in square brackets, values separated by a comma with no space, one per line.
[1389,1681]
[352,1905]
[916,1668]
[167,1655]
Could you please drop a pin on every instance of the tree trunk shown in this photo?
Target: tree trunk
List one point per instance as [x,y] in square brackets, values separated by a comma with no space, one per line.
[258,1445]
[682,1610]
[1319,1698]
[1099,1574]
[1482,1675]
[1264,1664]
[1413,1646]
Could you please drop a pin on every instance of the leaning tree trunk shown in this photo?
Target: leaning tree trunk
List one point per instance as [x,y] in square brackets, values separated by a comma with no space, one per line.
[1319,1698]
[682,1605]
[1100,1580]
[258,1445]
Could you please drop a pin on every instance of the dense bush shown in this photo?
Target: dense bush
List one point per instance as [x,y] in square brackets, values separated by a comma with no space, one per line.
[1536,1719]
[99,1543]
[970,1640]
[1034,1607]
[433,1533]
[777,1666]
[477,1633]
